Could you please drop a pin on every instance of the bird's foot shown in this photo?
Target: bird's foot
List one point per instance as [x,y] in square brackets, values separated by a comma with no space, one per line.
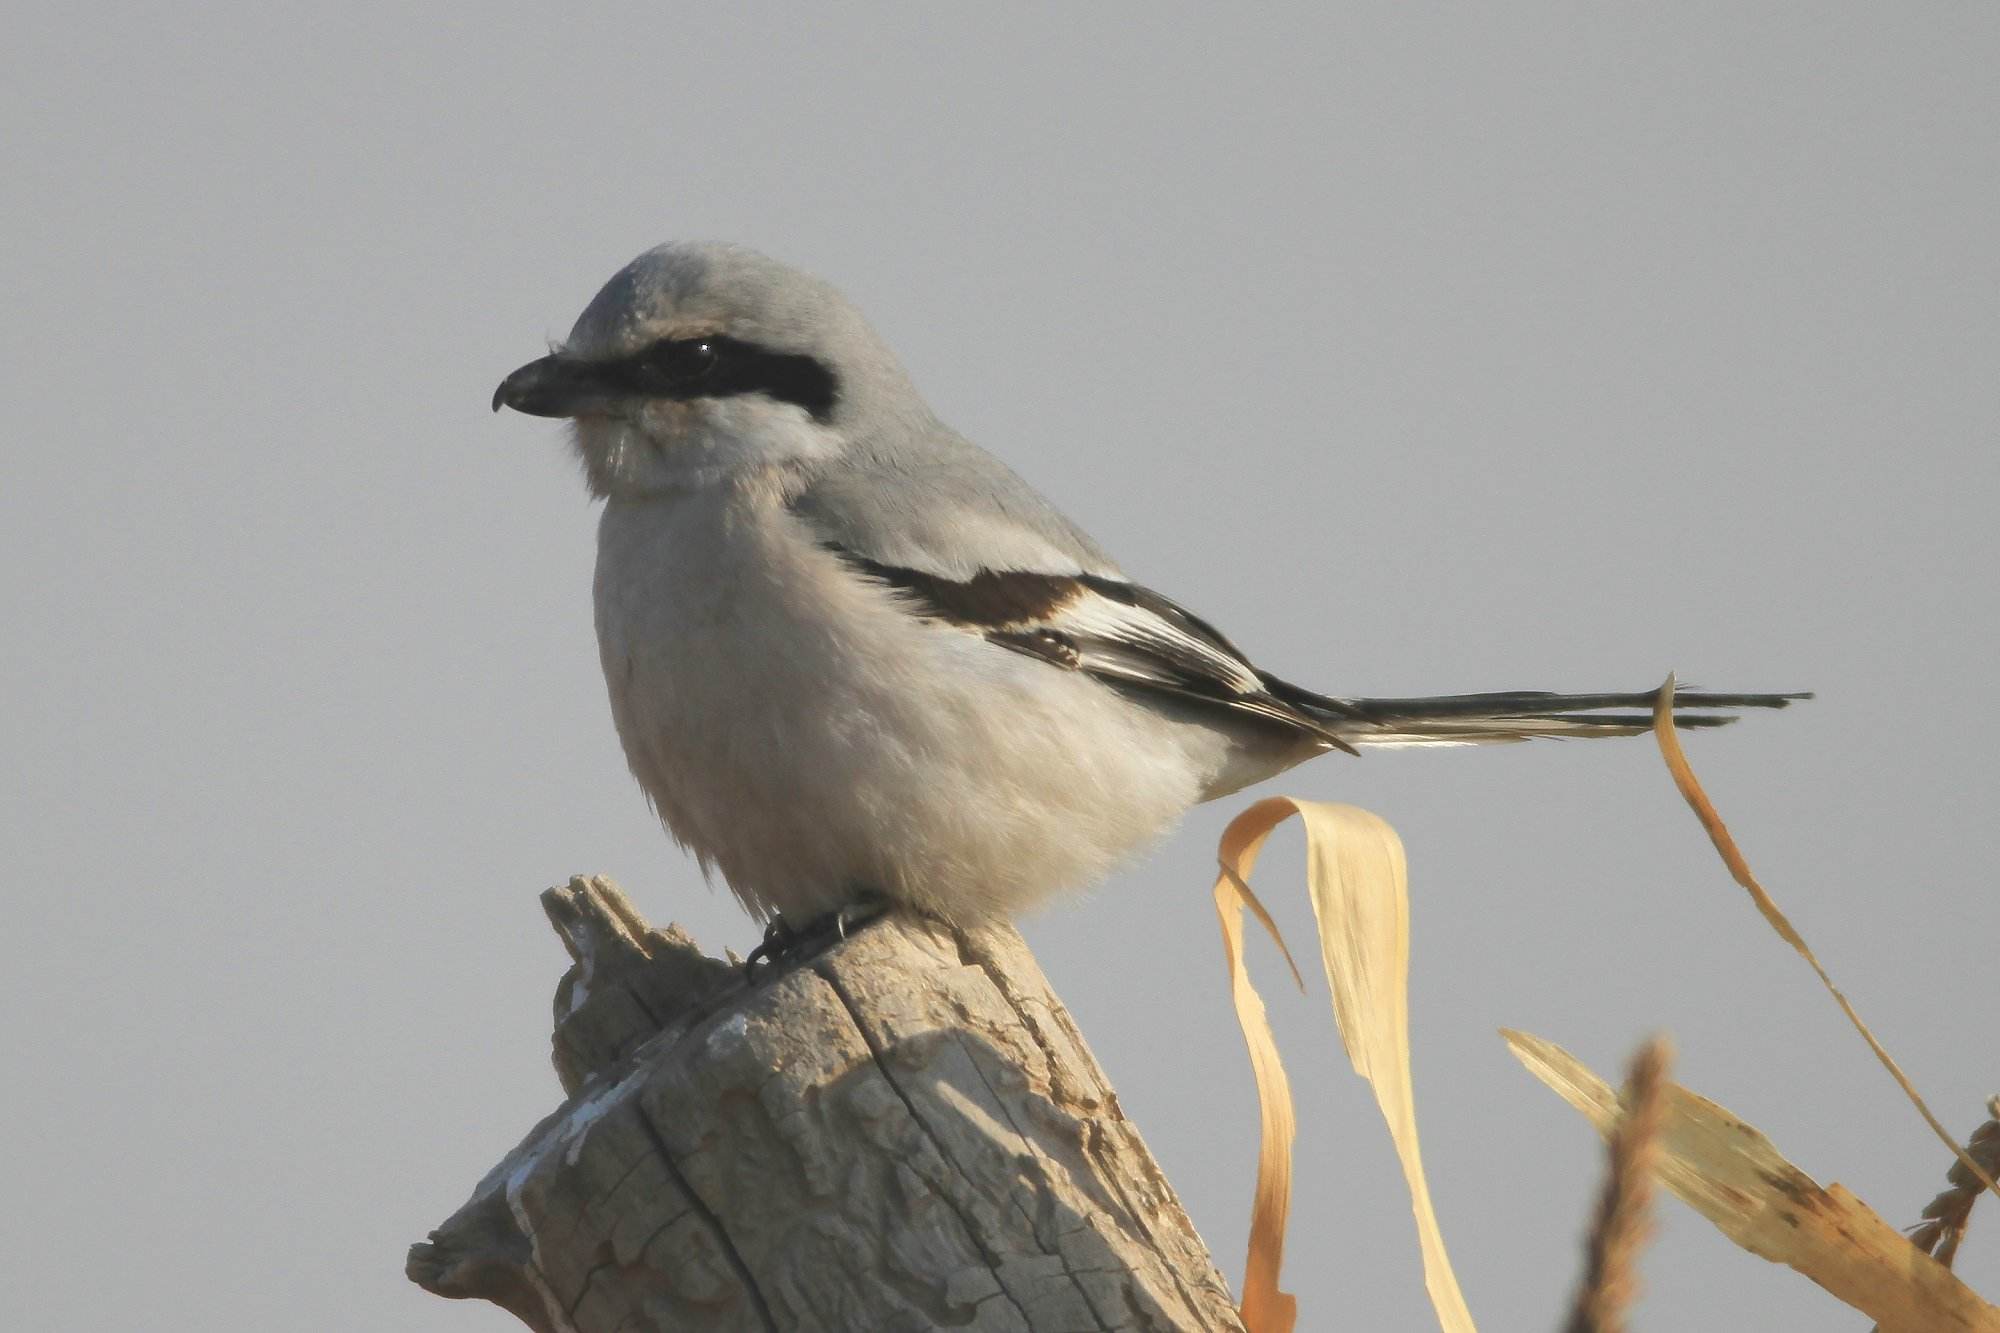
[778,943]
[785,943]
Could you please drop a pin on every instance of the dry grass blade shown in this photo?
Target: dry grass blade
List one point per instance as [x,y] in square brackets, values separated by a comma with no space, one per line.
[1266,1308]
[1623,1220]
[1731,1174]
[1718,833]
[1360,896]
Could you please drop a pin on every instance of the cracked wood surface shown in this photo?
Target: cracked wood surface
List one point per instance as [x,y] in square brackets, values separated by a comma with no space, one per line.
[904,1132]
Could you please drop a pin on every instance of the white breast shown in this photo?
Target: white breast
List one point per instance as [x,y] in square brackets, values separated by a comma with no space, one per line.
[807,736]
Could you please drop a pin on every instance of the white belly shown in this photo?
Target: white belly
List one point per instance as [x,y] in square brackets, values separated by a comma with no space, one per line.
[807,737]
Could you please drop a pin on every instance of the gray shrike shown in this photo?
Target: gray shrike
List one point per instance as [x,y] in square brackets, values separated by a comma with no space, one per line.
[849,652]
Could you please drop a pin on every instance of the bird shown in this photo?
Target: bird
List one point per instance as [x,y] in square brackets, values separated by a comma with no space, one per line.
[853,657]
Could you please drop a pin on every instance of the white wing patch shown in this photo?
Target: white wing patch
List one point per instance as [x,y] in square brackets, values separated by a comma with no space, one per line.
[1136,643]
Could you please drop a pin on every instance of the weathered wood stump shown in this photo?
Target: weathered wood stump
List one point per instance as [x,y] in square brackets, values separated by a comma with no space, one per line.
[905,1132]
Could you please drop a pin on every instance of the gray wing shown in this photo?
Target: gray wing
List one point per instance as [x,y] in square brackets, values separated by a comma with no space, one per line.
[941,505]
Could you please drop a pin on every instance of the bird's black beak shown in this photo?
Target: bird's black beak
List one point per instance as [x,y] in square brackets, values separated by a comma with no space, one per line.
[555,386]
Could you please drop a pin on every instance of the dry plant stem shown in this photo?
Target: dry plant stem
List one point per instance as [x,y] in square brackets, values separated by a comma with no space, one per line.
[903,1132]
[1739,868]
[1946,1216]
[1623,1220]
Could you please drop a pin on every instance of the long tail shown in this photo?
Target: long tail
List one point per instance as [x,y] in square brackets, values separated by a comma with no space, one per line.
[1517,715]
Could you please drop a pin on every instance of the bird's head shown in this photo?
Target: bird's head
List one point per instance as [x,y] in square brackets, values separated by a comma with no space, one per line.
[701,363]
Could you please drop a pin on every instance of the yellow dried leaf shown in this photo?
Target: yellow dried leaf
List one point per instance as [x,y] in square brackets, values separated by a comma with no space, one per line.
[1360,896]
[1731,1174]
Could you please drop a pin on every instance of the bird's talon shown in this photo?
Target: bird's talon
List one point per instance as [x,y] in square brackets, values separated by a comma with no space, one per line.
[778,943]
[785,943]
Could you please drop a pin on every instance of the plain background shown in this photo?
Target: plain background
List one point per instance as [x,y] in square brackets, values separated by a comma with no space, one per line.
[1524,346]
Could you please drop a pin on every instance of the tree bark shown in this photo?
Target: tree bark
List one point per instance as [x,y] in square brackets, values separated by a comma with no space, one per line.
[905,1132]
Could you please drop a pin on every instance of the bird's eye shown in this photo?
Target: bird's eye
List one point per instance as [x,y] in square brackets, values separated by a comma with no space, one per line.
[682,360]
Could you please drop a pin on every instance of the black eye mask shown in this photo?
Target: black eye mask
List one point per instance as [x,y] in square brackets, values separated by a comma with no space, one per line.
[718,366]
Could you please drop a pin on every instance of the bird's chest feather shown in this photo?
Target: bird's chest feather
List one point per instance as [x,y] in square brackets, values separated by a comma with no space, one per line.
[737,654]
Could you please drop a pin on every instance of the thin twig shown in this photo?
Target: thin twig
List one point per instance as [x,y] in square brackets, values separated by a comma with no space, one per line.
[1623,1221]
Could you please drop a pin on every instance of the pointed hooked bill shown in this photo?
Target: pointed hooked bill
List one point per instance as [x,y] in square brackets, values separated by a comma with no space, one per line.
[702,366]
[555,386]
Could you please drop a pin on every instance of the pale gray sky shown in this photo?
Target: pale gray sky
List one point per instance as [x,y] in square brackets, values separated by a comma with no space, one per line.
[1524,346]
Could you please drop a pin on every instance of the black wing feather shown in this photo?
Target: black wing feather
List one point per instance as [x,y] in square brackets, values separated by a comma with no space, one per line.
[1125,635]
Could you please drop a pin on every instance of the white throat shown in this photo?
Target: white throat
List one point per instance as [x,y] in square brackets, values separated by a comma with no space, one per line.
[665,448]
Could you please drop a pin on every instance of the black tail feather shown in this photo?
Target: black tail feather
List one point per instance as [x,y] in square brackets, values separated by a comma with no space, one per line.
[1535,703]
[1513,715]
